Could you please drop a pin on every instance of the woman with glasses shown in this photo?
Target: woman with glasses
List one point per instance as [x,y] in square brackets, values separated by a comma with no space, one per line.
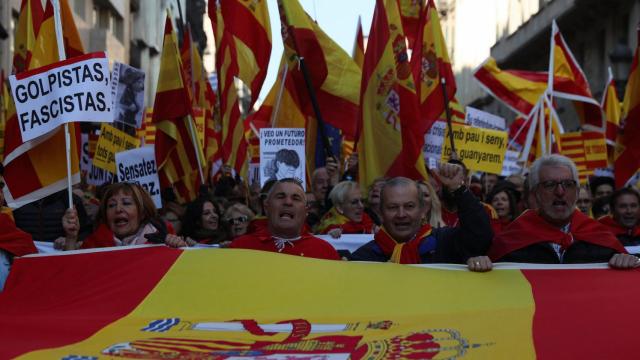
[347,216]
[236,219]
[201,222]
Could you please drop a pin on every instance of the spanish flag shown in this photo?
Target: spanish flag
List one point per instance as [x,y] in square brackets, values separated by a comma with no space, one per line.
[161,303]
[334,75]
[519,90]
[431,68]
[392,133]
[410,13]
[627,155]
[32,169]
[567,81]
[242,33]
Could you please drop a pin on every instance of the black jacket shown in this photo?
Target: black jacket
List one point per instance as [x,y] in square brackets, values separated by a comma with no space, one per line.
[447,244]
[580,252]
[43,218]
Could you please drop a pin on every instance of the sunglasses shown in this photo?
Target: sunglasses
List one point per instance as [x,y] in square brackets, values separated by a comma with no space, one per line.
[237,220]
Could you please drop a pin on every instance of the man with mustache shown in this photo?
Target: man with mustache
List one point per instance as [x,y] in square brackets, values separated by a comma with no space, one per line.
[557,232]
[404,239]
[286,211]
[624,218]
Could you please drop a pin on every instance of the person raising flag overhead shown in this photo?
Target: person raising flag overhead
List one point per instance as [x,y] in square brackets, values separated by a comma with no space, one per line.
[391,136]
[242,34]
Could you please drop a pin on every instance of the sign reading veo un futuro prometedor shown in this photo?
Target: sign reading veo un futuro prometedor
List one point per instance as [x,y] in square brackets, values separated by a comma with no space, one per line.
[139,166]
[76,89]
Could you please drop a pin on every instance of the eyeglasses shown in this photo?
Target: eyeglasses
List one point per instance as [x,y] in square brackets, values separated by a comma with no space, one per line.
[237,221]
[551,185]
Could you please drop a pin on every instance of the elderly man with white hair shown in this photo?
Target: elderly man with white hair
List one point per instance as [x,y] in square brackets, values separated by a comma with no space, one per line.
[557,232]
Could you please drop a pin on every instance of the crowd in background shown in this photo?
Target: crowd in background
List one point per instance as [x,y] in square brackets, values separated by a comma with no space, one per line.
[229,208]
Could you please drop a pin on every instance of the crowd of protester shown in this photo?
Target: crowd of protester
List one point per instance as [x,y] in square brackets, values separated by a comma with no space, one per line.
[456,216]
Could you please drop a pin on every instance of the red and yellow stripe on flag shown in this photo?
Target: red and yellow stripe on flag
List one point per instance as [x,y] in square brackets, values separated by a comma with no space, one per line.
[242,32]
[334,75]
[627,153]
[432,68]
[612,112]
[392,134]
[569,82]
[130,303]
[32,169]
[410,12]
[174,148]
[519,90]
[587,149]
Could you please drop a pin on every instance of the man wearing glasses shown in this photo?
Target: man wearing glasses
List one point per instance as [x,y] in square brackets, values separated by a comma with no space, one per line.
[557,232]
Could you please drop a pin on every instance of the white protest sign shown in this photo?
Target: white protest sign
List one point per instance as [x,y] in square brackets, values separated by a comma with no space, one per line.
[433,140]
[127,90]
[75,89]
[510,165]
[282,154]
[139,166]
[481,119]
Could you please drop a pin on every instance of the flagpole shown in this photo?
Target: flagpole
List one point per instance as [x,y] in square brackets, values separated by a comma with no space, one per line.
[63,56]
[194,140]
[276,109]
[316,106]
[443,83]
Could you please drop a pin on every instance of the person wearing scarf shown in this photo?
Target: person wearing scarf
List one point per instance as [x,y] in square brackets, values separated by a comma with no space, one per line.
[127,216]
[557,232]
[623,222]
[286,213]
[404,240]
[347,216]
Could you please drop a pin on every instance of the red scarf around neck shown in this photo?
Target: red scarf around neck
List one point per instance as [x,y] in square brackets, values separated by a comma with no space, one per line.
[402,253]
[530,228]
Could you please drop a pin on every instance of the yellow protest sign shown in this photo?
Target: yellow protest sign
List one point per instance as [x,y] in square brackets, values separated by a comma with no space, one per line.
[479,149]
[112,141]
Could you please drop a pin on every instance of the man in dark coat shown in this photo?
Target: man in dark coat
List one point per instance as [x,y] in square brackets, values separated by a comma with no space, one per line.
[403,239]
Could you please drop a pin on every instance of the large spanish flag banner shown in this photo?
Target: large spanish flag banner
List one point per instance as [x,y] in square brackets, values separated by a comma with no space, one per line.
[156,302]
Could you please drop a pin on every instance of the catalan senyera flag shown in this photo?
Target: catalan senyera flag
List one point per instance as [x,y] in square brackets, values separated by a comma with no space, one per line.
[587,149]
[130,303]
[519,90]
[627,157]
[392,133]
[334,75]
[569,82]
[358,45]
[612,109]
[174,147]
[242,32]
[410,12]
[431,67]
[32,169]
